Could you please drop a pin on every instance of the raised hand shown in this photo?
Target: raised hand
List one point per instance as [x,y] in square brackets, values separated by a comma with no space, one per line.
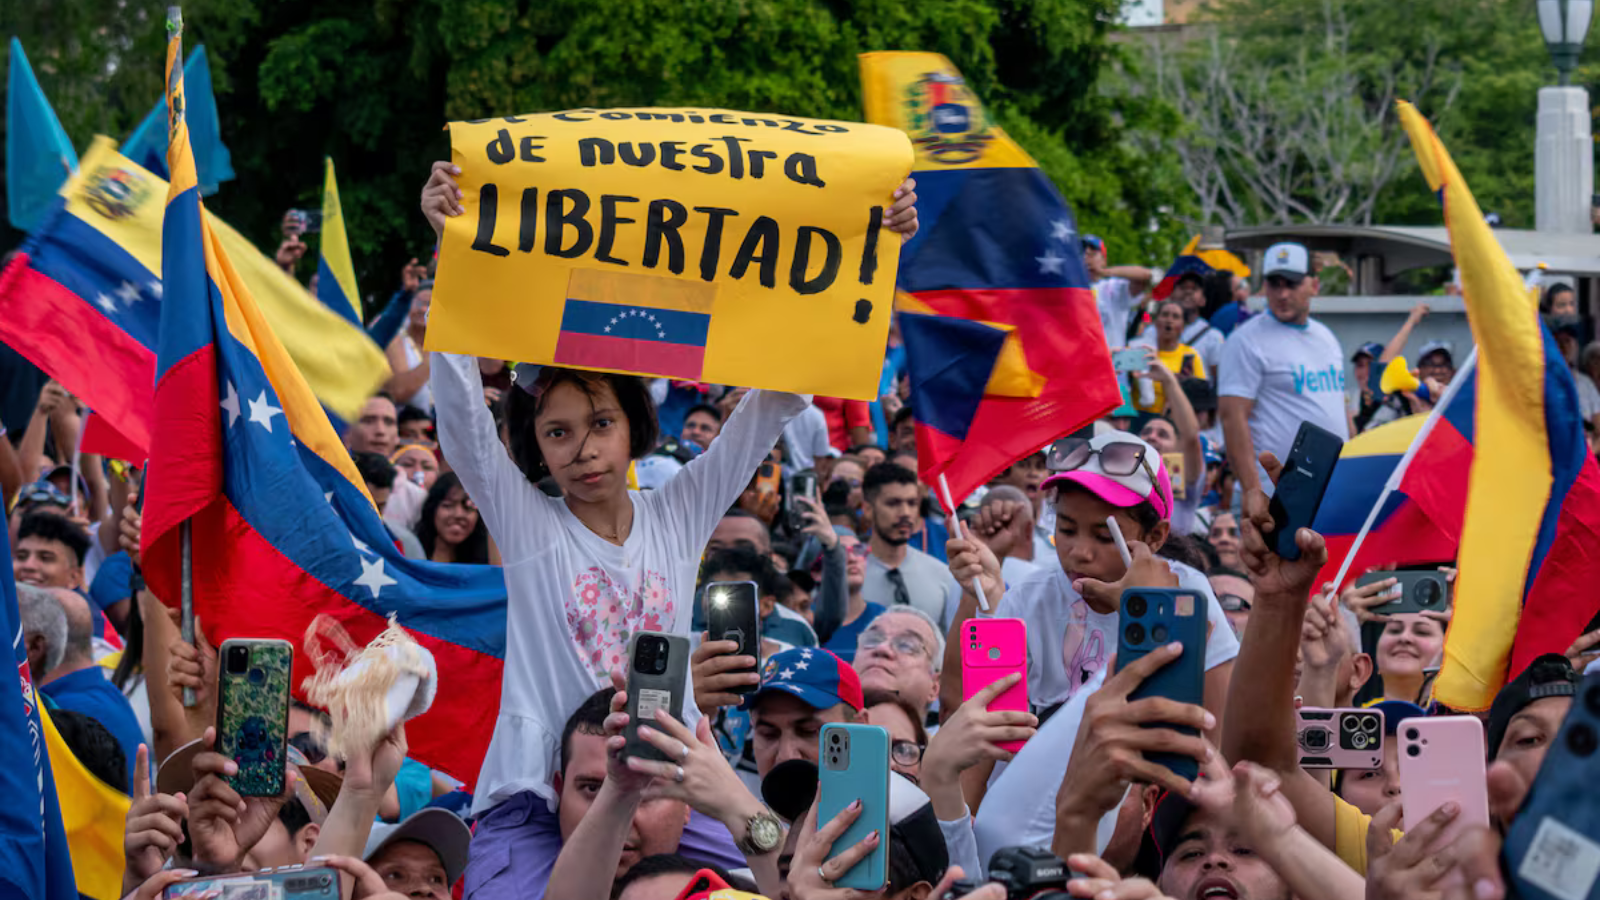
[1103,882]
[993,525]
[222,825]
[811,873]
[1273,575]
[972,733]
[1406,869]
[901,217]
[1147,571]
[617,770]
[154,826]
[441,196]
[713,668]
[700,775]
[411,276]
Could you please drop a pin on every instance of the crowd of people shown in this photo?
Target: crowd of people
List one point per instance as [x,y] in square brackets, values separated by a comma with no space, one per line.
[610,502]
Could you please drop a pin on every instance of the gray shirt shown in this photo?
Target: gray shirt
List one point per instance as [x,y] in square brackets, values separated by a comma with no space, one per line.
[929,585]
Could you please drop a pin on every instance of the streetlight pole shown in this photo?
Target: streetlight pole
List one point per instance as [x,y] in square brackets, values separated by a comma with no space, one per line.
[1564,158]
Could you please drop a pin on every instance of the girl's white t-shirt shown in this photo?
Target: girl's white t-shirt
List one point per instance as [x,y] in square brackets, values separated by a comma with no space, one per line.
[573,598]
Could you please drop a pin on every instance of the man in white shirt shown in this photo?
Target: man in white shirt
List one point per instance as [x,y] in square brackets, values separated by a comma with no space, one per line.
[1117,290]
[1279,370]
[805,438]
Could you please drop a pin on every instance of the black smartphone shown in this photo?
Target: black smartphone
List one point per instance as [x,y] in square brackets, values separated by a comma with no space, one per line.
[658,675]
[733,613]
[1420,591]
[1305,478]
[803,484]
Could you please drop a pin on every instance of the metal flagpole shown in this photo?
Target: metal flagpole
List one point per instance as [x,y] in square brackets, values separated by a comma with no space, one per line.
[1399,472]
[185,541]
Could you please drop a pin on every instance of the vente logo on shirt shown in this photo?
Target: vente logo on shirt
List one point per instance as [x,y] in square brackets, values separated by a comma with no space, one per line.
[1317,381]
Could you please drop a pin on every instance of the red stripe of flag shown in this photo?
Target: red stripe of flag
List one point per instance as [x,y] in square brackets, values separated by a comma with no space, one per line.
[660,358]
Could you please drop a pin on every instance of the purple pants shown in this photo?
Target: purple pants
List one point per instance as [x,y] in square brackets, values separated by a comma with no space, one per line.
[515,846]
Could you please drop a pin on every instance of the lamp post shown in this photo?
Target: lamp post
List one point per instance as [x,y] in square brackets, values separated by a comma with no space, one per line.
[1564,159]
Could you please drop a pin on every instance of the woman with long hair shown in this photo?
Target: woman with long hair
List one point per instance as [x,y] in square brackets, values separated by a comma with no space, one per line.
[451,530]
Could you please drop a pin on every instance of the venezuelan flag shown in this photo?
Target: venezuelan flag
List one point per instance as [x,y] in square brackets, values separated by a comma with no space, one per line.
[336,275]
[283,528]
[82,300]
[1528,557]
[1183,265]
[1003,340]
[34,853]
[1405,532]
[39,156]
[635,323]
[93,815]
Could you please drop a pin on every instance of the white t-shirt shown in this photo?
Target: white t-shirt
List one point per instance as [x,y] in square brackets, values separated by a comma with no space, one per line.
[1293,373]
[1199,334]
[573,598]
[1068,643]
[1588,397]
[1115,300]
[806,438]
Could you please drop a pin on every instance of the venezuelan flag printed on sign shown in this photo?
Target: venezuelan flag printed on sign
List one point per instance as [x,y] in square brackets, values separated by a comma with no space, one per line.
[83,298]
[1003,340]
[283,529]
[1405,532]
[1529,556]
[635,323]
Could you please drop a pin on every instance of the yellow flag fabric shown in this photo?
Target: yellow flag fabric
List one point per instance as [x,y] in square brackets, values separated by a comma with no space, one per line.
[704,245]
[336,281]
[94,815]
[1510,483]
[342,365]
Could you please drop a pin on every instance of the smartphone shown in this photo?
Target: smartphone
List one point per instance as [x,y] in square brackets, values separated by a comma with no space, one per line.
[1551,851]
[991,649]
[1442,760]
[1152,618]
[1176,471]
[1425,590]
[1340,738]
[253,712]
[733,613]
[803,484]
[768,479]
[855,766]
[658,673]
[1300,488]
[1130,359]
[285,883]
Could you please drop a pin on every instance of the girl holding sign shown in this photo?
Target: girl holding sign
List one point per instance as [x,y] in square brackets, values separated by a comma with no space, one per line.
[583,571]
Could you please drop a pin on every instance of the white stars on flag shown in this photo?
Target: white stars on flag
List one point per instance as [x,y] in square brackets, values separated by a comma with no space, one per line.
[373,578]
[262,411]
[1051,263]
[230,403]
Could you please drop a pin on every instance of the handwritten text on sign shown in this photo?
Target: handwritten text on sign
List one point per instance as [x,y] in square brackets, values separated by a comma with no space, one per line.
[717,246]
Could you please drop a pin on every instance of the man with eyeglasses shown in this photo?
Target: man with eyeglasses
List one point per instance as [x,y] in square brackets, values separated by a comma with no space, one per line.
[1236,594]
[901,653]
[1280,370]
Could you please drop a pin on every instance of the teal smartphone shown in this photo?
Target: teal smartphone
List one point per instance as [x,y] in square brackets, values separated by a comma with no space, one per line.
[1152,618]
[286,883]
[253,712]
[854,765]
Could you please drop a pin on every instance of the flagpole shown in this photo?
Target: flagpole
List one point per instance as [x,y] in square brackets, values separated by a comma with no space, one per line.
[185,531]
[977,583]
[1399,473]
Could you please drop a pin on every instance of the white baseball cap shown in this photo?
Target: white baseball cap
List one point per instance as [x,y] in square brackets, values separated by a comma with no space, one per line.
[1287,260]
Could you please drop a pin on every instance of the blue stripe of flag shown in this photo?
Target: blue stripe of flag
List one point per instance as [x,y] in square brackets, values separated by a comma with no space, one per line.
[87,263]
[639,323]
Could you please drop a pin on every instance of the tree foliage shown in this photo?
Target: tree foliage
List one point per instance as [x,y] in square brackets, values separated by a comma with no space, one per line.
[371,84]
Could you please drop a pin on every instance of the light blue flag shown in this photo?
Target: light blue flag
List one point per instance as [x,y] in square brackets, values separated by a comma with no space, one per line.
[39,156]
[147,146]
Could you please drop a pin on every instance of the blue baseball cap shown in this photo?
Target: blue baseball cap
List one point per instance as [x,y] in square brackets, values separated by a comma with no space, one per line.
[1395,712]
[1370,348]
[816,676]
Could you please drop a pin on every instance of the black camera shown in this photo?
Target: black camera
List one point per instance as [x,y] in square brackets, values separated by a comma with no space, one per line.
[650,656]
[238,659]
[1028,873]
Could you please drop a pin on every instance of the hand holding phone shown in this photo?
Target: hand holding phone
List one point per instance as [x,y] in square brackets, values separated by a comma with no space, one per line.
[253,713]
[658,671]
[803,486]
[990,650]
[1130,360]
[733,613]
[1415,591]
[1442,761]
[1301,485]
[1152,618]
[854,765]
[1552,848]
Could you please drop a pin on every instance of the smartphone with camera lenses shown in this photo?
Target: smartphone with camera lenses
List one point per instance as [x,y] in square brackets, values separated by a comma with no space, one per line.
[1340,738]
[991,649]
[802,485]
[853,764]
[297,882]
[253,712]
[1152,618]
[1415,591]
[733,613]
[1442,761]
[658,673]
[1552,848]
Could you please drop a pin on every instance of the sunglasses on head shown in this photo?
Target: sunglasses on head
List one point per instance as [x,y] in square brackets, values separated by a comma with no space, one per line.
[1119,459]
[43,493]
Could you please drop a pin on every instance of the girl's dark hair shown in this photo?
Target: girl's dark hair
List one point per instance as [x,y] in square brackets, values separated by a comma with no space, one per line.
[1549,299]
[475,549]
[523,406]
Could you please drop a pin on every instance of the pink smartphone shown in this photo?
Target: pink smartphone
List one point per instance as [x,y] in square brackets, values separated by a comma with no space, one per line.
[1340,738]
[1442,759]
[991,649]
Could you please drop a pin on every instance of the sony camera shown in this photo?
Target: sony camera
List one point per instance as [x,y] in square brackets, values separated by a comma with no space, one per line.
[1028,873]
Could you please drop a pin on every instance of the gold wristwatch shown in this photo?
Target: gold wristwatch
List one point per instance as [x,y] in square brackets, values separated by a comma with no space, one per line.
[763,832]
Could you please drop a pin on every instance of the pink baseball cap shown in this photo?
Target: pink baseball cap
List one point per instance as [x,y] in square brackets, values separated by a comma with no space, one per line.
[1118,467]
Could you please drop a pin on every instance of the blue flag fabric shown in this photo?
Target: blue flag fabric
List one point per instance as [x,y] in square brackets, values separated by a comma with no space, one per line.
[147,146]
[34,859]
[39,155]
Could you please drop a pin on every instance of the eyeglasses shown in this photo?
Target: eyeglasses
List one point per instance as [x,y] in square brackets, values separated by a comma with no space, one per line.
[860,551]
[1233,603]
[906,753]
[853,482]
[903,644]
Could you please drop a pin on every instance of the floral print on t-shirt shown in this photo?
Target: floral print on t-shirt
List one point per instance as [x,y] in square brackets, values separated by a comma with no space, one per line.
[601,616]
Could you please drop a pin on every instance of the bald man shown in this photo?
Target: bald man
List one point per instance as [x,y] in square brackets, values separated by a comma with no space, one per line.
[76,683]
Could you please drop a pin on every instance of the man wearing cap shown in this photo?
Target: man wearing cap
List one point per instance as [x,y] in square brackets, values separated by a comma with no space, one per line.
[1279,370]
[1117,289]
[1436,364]
[801,690]
[422,856]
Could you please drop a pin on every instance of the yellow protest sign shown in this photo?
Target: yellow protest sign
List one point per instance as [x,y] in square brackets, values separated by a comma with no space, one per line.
[708,245]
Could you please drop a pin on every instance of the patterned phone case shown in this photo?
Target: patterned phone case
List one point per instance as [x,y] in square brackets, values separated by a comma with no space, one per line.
[253,715]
